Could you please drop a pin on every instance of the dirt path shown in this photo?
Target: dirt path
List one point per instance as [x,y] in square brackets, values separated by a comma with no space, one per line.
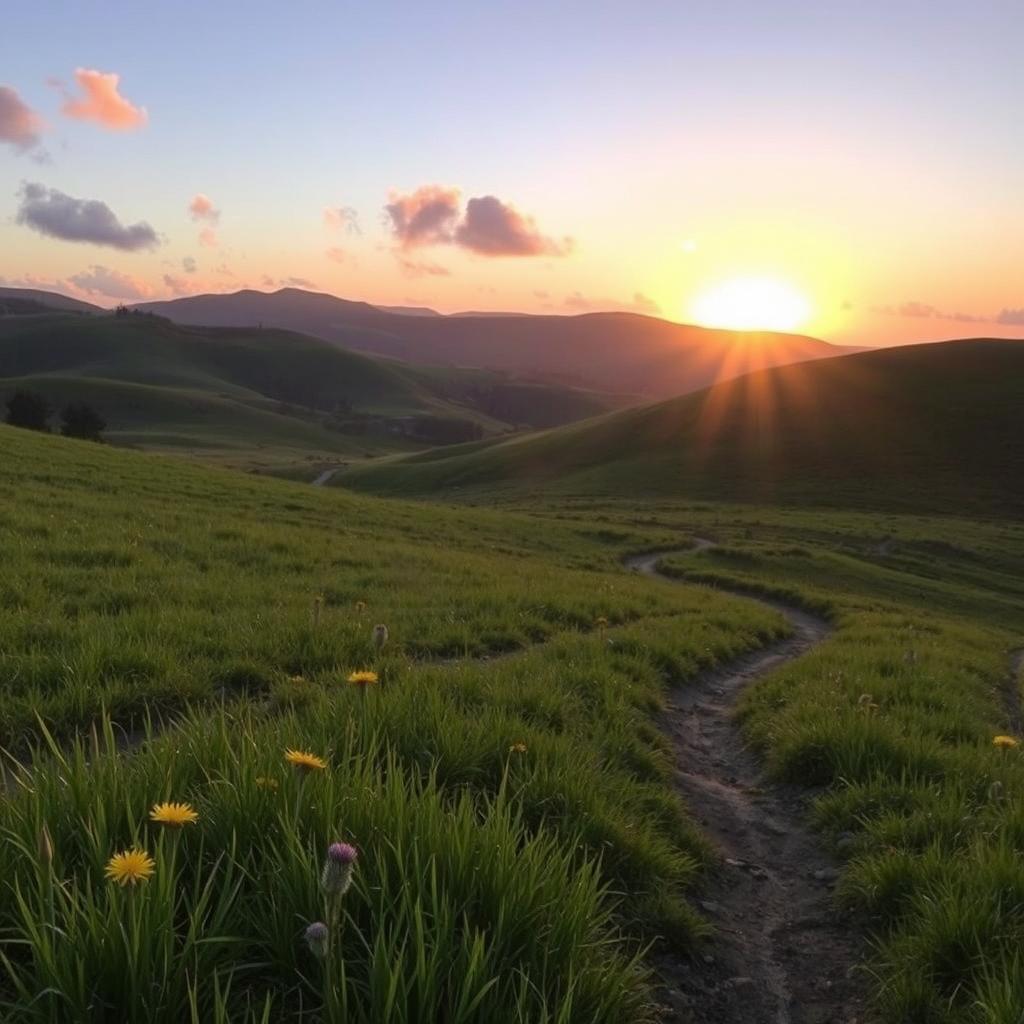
[781,954]
[325,476]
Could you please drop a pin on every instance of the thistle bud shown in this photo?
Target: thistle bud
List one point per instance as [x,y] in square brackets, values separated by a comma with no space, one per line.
[45,847]
[338,868]
[317,935]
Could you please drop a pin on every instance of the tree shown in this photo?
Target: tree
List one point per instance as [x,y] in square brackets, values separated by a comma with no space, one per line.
[82,420]
[28,409]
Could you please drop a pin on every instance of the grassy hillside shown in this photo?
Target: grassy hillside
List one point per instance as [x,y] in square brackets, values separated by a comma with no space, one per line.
[503,781]
[255,395]
[611,352]
[928,427]
[499,804]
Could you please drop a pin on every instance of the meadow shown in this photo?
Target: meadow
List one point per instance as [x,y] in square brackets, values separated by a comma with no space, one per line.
[171,632]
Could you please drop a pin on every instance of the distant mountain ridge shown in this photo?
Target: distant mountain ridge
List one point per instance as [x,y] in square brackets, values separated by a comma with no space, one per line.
[619,352]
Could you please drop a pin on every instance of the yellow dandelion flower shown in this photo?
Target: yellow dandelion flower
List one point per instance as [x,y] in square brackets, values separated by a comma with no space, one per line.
[173,815]
[1004,742]
[296,679]
[266,783]
[362,678]
[130,867]
[305,762]
[517,748]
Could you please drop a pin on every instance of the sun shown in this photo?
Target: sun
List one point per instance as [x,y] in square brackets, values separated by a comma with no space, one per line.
[752,304]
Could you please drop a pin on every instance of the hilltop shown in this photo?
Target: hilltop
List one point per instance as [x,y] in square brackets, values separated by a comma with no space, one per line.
[618,352]
[931,427]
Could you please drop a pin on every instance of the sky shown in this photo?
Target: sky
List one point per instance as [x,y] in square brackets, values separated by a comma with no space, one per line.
[853,170]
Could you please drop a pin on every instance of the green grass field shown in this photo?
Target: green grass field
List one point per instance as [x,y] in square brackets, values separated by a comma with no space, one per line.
[168,631]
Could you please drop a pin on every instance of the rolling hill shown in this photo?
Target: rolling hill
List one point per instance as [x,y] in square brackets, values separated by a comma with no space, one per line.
[618,352]
[233,391]
[932,427]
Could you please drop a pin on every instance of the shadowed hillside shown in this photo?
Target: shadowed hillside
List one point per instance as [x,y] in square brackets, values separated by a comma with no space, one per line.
[933,426]
[620,352]
[161,383]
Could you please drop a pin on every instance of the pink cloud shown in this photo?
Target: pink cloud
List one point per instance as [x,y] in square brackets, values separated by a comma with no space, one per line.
[337,254]
[208,237]
[424,217]
[102,103]
[493,228]
[99,280]
[19,125]
[422,268]
[488,227]
[176,285]
[202,209]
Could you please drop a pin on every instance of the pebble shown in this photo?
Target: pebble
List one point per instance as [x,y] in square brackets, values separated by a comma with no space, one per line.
[710,906]
[826,875]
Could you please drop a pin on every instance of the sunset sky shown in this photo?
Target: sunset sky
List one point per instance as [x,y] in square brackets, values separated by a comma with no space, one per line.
[861,163]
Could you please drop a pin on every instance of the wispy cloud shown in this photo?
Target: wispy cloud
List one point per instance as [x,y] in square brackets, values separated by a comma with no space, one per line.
[342,218]
[100,101]
[19,124]
[53,213]
[99,280]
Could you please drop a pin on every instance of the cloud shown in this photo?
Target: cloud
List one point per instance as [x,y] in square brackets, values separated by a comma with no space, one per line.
[297,282]
[424,217]
[176,285]
[1011,317]
[916,309]
[645,304]
[19,125]
[188,264]
[225,271]
[337,254]
[488,227]
[640,304]
[57,215]
[342,218]
[201,208]
[493,228]
[922,310]
[101,102]
[422,268]
[208,237]
[98,280]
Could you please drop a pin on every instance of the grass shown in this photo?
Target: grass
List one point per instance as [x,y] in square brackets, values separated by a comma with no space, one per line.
[926,428]
[892,721]
[494,883]
[520,843]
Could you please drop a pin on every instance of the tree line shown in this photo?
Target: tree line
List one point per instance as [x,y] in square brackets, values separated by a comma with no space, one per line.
[31,411]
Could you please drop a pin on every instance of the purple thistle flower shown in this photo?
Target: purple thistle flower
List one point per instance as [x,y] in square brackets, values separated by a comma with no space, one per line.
[338,867]
[342,853]
[316,938]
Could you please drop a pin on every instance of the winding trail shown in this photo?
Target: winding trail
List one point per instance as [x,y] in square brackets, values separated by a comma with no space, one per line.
[782,953]
[323,479]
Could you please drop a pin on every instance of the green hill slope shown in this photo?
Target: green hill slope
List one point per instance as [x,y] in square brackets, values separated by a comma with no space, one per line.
[929,427]
[236,390]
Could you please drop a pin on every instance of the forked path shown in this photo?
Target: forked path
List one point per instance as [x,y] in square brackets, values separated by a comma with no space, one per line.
[781,953]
